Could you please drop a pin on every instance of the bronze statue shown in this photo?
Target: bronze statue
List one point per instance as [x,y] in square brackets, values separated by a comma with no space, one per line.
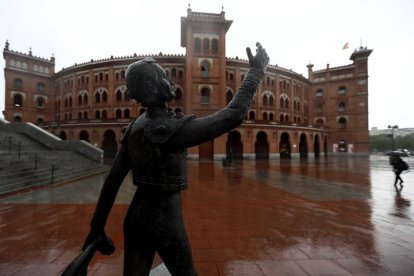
[154,149]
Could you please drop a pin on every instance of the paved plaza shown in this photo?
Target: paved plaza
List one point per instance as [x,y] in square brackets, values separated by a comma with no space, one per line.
[333,216]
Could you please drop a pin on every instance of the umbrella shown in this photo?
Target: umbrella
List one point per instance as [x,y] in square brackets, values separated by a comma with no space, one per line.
[397,153]
[79,266]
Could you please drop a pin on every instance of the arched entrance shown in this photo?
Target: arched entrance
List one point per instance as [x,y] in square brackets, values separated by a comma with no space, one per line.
[62,135]
[317,146]
[84,135]
[303,146]
[109,144]
[325,146]
[234,145]
[261,147]
[284,146]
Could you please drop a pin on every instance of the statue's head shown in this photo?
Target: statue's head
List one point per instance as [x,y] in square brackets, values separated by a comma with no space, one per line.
[148,84]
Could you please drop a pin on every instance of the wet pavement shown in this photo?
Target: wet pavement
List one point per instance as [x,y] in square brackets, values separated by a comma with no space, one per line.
[335,216]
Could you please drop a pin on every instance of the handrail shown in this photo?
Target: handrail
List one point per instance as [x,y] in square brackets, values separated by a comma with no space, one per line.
[38,158]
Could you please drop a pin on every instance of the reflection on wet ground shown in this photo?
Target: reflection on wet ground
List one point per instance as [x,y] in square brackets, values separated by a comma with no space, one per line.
[335,216]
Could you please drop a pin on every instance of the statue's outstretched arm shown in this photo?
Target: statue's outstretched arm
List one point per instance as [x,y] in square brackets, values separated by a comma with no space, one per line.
[203,129]
[113,181]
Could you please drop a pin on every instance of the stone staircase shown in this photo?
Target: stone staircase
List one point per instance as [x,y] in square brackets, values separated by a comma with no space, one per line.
[27,163]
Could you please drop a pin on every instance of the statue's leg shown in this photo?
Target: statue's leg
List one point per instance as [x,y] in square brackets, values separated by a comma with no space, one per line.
[172,242]
[139,246]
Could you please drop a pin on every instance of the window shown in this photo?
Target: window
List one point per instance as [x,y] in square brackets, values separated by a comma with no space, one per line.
[40,102]
[118,114]
[197,44]
[40,87]
[127,113]
[264,100]
[319,93]
[180,74]
[123,74]
[271,117]
[319,122]
[104,114]
[85,115]
[214,44]
[79,115]
[118,95]
[319,108]
[342,90]
[178,94]
[342,122]
[271,100]
[265,116]
[17,119]
[18,84]
[97,97]
[104,97]
[205,68]
[206,44]
[101,76]
[252,115]
[18,100]
[342,107]
[85,98]
[97,114]
[229,96]
[174,73]
[205,95]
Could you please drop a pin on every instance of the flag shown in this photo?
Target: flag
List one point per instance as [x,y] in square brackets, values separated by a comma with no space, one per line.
[346,46]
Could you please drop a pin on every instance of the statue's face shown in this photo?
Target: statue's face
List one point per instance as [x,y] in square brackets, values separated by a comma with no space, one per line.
[165,85]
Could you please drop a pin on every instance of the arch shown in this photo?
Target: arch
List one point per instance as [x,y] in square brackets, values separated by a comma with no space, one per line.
[79,99]
[109,144]
[342,106]
[118,95]
[97,97]
[174,72]
[84,135]
[118,113]
[205,95]
[97,114]
[85,98]
[271,100]
[303,146]
[319,108]
[17,119]
[252,115]
[205,68]
[261,146]
[85,115]
[40,102]
[104,97]
[319,122]
[180,74]
[265,116]
[122,74]
[178,94]
[62,135]
[104,114]
[342,122]
[317,146]
[284,146]
[79,115]
[264,100]
[234,145]
[271,116]
[127,113]
[17,100]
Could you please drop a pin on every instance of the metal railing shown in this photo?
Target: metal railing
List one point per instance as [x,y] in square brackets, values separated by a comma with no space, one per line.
[17,148]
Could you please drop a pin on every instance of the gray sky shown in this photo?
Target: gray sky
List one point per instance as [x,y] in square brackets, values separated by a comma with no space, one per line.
[294,33]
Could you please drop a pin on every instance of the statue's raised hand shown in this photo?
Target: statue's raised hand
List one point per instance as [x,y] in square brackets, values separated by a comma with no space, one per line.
[260,60]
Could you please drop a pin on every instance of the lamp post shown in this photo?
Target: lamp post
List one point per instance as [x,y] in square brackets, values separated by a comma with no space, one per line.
[392,135]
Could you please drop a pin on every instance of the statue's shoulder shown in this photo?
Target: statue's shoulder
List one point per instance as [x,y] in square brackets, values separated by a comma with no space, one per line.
[161,129]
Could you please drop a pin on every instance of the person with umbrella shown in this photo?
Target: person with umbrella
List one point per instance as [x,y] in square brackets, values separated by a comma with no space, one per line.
[399,166]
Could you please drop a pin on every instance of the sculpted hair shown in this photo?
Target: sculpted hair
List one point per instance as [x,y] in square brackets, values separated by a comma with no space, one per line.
[138,73]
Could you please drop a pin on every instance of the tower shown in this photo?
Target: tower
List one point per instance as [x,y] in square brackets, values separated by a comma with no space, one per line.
[204,37]
[28,91]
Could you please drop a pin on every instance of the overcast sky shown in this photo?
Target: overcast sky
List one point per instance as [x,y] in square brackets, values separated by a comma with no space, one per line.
[294,33]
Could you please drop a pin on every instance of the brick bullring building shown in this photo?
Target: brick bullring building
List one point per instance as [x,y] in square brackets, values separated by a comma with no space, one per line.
[291,115]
